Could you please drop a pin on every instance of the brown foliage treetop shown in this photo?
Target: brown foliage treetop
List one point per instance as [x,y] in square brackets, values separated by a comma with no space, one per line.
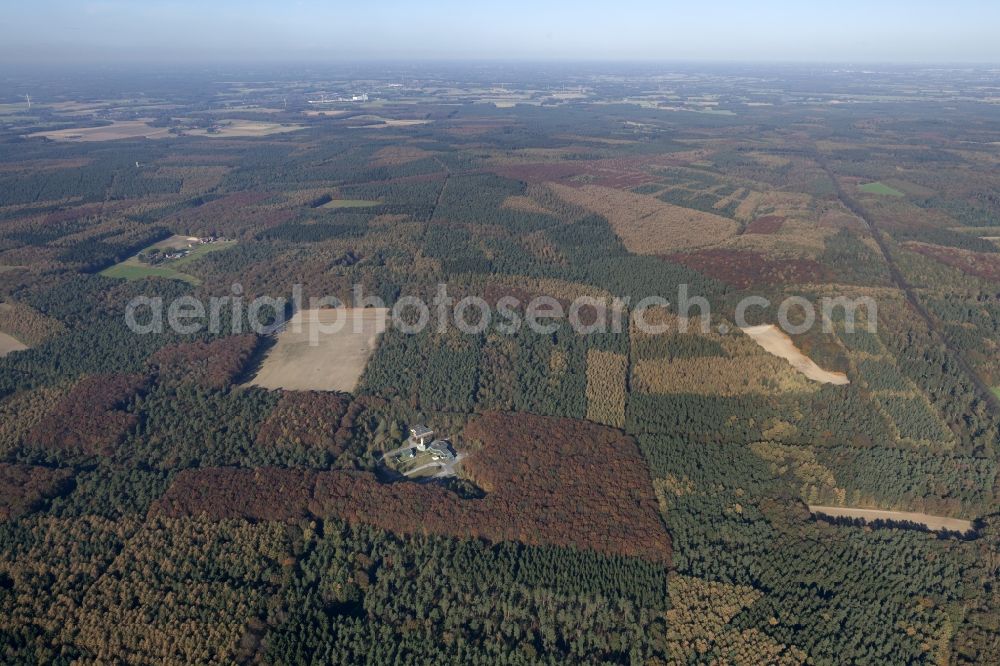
[746,268]
[91,418]
[980,264]
[548,481]
[211,364]
[22,486]
[309,418]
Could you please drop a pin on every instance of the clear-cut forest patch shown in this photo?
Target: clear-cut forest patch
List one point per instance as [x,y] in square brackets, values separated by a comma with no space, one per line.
[778,343]
[309,356]
[647,225]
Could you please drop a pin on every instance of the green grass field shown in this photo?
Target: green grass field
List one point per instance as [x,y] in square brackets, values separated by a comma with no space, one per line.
[133,269]
[908,188]
[996,391]
[350,203]
[881,189]
[202,250]
[138,271]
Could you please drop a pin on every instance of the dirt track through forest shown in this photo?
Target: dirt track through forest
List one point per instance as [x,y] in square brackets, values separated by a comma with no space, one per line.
[904,286]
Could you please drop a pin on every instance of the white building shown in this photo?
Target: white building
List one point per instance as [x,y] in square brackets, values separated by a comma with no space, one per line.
[420,437]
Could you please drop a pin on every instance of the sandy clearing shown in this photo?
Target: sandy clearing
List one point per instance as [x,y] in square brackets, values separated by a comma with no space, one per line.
[10,344]
[390,122]
[119,129]
[329,114]
[775,341]
[309,356]
[244,128]
[931,522]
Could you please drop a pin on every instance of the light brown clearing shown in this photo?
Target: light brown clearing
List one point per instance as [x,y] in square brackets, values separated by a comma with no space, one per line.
[328,114]
[119,129]
[231,128]
[609,141]
[10,344]
[379,122]
[176,242]
[797,239]
[776,342]
[647,225]
[783,204]
[246,109]
[931,522]
[311,356]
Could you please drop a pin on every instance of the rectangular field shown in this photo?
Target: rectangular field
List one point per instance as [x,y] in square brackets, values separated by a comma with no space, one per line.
[122,129]
[137,271]
[311,356]
[244,128]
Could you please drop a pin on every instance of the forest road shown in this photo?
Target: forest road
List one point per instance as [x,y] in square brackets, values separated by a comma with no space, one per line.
[897,277]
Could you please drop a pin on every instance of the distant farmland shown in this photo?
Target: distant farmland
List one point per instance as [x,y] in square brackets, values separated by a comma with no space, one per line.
[125,129]
[244,128]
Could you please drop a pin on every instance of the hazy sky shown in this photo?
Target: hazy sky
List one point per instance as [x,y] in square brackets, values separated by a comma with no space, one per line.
[723,30]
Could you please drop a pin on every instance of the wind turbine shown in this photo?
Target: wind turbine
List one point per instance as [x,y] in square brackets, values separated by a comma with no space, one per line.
[28,99]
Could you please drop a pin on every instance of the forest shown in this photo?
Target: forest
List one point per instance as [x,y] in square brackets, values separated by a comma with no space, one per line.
[546,481]
[622,496]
